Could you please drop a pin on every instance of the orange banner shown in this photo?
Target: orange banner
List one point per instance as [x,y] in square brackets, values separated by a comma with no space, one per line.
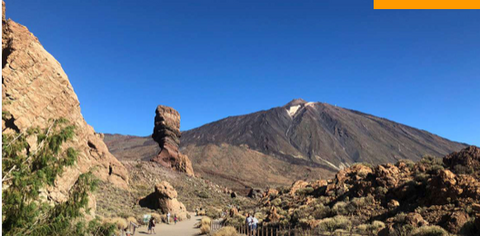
[426,4]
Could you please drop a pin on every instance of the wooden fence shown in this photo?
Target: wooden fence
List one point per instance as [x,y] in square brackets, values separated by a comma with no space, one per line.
[266,230]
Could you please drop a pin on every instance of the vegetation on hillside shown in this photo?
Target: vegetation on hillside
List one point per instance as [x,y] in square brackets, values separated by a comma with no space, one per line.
[28,168]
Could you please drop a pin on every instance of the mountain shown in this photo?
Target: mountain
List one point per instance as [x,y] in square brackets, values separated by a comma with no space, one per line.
[300,140]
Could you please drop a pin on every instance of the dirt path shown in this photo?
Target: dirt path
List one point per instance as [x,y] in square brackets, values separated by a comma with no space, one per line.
[183,228]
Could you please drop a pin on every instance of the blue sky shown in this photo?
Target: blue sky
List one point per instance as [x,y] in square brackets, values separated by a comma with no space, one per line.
[213,59]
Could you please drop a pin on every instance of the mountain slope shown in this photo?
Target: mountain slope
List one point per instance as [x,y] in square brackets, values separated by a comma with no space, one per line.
[311,134]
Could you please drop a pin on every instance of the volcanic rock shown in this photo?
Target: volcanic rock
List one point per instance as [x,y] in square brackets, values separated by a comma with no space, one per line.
[164,199]
[468,157]
[455,221]
[297,185]
[167,134]
[36,90]
[255,193]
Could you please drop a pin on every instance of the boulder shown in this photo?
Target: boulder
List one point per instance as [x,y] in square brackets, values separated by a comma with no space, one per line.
[455,221]
[164,199]
[393,204]
[167,134]
[416,220]
[255,193]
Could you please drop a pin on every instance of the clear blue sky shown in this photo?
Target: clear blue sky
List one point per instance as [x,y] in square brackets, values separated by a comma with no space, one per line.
[213,59]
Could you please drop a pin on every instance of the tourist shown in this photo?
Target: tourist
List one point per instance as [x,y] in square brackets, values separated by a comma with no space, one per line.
[254,225]
[151,226]
[168,218]
[248,222]
[175,219]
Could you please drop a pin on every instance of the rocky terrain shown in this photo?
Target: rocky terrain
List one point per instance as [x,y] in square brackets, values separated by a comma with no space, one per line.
[35,91]
[405,198]
[141,197]
[300,140]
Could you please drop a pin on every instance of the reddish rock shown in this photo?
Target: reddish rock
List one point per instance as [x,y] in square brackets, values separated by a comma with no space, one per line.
[296,186]
[167,134]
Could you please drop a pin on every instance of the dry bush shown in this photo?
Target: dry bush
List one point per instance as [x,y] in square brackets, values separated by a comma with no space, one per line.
[226,231]
[120,223]
[132,219]
[333,224]
[206,221]
[205,229]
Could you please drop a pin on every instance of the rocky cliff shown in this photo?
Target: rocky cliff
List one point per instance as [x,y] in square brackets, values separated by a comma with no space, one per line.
[167,134]
[35,89]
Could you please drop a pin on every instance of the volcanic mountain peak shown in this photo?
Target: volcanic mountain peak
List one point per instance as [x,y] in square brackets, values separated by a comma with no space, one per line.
[296,105]
[295,102]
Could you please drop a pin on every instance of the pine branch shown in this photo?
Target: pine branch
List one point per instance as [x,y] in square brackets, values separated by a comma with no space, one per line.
[26,160]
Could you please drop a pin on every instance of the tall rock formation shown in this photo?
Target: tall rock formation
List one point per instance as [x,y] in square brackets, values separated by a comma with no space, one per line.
[35,89]
[167,134]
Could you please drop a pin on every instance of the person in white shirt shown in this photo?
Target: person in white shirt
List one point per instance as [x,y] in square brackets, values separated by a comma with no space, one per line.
[168,218]
[248,222]
[254,224]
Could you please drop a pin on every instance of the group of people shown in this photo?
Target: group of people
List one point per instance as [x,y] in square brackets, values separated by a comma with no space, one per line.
[151,222]
[252,222]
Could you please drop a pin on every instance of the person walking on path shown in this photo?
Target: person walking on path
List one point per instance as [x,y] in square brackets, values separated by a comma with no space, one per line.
[168,218]
[175,219]
[151,225]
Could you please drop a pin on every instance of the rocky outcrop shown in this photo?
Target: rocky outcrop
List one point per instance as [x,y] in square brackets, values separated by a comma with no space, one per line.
[255,193]
[165,199]
[167,134]
[35,90]
[404,195]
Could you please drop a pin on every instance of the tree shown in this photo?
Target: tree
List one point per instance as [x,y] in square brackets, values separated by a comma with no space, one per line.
[27,170]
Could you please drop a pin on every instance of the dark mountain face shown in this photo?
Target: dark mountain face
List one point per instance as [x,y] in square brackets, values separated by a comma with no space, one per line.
[320,135]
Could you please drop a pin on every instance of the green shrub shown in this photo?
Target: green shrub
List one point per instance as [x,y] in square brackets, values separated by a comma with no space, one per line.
[401,230]
[340,208]
[335,223]
[370,229]
[305,191]
[26,172]
[321,212]
[429,231]
[431,160]
[276,201]
[461,169]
